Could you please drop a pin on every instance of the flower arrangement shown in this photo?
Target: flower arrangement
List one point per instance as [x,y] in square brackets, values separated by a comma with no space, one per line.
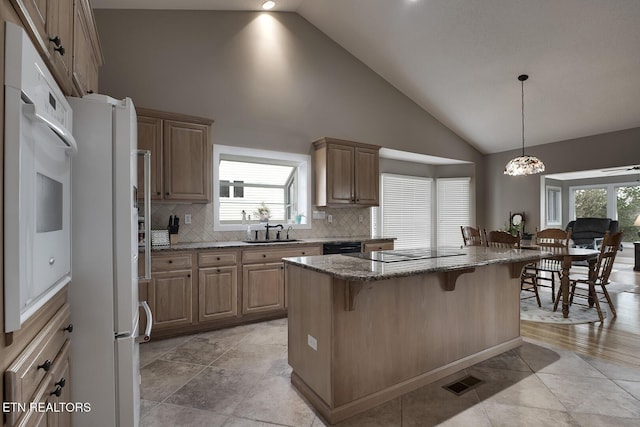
[263,212]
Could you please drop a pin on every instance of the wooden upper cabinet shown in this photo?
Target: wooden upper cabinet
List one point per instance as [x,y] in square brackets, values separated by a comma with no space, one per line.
[346,173]
[340,181]
[181,150]
[187,174]
[367,176]
[87,54]
[36,11]
[64,33]
[61,38]
[150,138]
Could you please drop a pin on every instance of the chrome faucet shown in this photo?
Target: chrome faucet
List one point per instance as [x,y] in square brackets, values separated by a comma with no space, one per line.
[267,226]
[291,228]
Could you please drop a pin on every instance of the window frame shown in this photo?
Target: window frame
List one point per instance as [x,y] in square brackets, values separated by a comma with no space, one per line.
[558,204]
[303,178]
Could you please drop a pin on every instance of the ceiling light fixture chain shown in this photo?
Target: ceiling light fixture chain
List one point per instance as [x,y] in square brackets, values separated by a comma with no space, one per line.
[523,165]
[522,78]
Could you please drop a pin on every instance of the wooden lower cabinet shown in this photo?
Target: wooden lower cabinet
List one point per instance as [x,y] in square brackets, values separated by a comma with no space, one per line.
[40,375]
[170,298]
[217,293]
[263,287]
[198,290]
[377,246]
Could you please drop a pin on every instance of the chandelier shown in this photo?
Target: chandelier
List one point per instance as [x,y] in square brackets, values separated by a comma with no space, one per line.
[523,165]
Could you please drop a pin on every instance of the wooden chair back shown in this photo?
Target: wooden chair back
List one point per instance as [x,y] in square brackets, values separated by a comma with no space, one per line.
[501,239]
[553,238]
[471,236]
[607,256]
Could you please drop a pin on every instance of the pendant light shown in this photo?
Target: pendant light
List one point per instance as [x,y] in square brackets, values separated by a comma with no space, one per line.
[523,165]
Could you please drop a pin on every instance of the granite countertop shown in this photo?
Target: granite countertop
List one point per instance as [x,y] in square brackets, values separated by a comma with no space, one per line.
[244,245]
[352,268]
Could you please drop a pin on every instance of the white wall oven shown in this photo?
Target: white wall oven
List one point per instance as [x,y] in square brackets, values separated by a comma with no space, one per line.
[37,186]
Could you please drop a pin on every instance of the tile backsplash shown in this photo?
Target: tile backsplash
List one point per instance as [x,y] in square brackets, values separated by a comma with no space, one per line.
[346,223]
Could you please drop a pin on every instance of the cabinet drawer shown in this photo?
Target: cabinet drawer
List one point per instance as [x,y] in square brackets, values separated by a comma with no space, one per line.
[174,261]
[25,374]
[377,246]
[271,255]
[214,259]
[33,418]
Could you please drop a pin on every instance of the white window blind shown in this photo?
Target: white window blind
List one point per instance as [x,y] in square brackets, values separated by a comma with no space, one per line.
[405,211]
[453,210]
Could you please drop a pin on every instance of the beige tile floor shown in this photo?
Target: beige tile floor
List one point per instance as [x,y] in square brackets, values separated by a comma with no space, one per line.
[239,377]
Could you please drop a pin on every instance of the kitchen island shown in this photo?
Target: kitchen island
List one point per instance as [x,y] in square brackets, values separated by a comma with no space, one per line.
[366,328]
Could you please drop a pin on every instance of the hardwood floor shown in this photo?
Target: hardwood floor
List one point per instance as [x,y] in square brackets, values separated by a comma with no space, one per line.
[615,339]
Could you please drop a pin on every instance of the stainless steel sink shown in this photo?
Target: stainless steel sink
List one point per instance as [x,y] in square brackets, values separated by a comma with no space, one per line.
[272,241]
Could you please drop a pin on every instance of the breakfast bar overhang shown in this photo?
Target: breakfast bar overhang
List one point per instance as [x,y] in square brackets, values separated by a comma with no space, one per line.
[363,330]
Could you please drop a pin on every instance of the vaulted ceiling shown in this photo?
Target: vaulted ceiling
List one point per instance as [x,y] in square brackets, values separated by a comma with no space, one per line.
[459,59]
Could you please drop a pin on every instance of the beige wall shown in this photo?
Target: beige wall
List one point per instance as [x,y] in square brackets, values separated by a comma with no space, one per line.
[506,193]
[271,81]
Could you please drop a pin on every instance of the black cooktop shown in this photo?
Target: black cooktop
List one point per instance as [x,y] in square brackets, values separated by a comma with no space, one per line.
[406,254]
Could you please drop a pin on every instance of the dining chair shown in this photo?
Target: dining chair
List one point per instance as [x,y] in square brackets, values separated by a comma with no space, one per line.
[502,239]
[471,236]
[595,292]
[546,270]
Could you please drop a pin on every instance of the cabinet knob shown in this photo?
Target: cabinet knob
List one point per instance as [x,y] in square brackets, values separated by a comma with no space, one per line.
[188,275]
[69,328]
[57,391]
[166,194]
[217,258]
[218,270]
[60,50]
[89,91]
[56,40]
[158,193]
[304,253]
[62,382]
[45,366]
[170,261]
[264,255]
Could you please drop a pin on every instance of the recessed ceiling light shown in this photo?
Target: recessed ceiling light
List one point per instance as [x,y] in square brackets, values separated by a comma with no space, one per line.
[268,5]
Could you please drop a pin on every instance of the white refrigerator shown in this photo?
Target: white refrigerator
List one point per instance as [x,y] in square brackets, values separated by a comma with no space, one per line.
[105,365]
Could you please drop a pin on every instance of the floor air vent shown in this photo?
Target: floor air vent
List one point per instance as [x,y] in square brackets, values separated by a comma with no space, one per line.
[463,385]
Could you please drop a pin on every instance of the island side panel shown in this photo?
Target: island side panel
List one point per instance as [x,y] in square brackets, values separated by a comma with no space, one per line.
[405,327]
[309,296]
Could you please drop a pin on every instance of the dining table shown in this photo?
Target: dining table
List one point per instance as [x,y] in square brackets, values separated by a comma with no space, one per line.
[567,257]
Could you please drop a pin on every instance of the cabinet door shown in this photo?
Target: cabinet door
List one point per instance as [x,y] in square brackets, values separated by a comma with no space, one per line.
[218,293]
[367,176]
[187,162]
[39,16]
[170,298]
[60,38]
[262,287]
[85,63]
[150,138]
[340,179]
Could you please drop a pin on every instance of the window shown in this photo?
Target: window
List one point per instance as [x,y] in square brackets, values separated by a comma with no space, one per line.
[453,210]
[405,211]
[554,206]
[619,201]
[250,182]
[590,203]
